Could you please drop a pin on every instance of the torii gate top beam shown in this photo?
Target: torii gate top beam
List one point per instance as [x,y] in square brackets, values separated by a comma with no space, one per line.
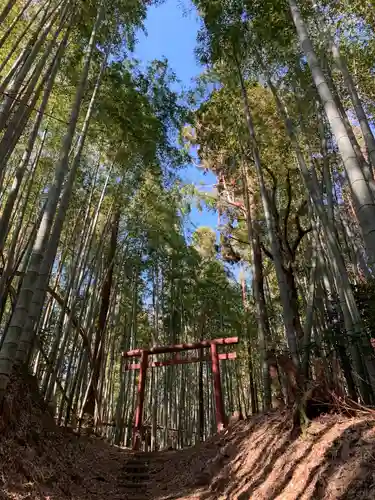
[180,361]
[181,347]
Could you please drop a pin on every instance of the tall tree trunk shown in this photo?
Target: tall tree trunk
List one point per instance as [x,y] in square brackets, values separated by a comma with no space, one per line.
[7,8]
[260,302]
[288,315]
[46,265]
[10,28]
[10,345]
[362,196]
[350,85]
[337,267]
[102,321]
[200,381]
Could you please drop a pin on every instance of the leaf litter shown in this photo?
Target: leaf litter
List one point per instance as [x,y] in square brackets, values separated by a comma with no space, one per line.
[258,458]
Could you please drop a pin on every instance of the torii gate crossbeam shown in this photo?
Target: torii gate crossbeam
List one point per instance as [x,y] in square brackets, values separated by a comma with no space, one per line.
[214,358]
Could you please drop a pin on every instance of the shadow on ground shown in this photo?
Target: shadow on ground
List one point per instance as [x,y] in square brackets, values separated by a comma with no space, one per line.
[256,459]
[260,459]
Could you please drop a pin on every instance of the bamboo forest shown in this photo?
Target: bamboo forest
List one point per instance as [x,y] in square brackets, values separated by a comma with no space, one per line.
[165,336]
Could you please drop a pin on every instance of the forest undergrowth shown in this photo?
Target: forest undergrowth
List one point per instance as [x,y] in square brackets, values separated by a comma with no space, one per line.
[259,457]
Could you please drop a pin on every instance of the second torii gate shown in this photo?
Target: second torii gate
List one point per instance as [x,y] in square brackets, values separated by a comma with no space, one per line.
[214,358]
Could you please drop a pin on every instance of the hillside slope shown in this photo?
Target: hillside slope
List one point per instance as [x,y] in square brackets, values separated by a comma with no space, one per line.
[258,459]
[253,459]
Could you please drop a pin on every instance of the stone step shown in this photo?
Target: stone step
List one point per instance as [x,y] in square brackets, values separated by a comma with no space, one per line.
[133,495]
[136,466]
[137,461]
[136,477]
[135,471]
[137,482]
[131,485]
[133,463]
[140,474]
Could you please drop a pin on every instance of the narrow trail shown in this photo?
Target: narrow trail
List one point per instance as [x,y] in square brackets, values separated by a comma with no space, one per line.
[136,478]
[254,459]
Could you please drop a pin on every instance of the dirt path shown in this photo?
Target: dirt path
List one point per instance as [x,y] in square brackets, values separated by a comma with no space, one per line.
[254,459]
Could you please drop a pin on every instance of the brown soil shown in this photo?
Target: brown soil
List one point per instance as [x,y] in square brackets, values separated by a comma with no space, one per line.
[253,459]
[258,459]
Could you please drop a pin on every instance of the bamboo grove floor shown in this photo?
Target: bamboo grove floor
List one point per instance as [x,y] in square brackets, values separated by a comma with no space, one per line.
[253,459]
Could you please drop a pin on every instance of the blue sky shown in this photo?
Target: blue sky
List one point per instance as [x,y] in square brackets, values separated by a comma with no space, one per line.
[171,32]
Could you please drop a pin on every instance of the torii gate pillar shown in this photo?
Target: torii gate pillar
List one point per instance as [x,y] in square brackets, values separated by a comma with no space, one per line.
[137,434]
[219,404]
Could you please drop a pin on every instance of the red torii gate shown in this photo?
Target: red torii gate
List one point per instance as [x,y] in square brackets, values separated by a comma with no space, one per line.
[214,357]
